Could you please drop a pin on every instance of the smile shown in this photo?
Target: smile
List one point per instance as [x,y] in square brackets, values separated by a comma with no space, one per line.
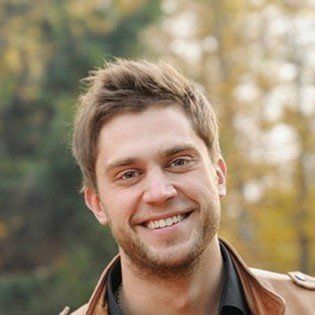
[158,224]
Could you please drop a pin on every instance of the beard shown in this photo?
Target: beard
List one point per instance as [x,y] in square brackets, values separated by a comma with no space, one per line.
[148,264]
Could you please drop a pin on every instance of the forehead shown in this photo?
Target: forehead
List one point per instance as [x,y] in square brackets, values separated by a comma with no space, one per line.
[146,132]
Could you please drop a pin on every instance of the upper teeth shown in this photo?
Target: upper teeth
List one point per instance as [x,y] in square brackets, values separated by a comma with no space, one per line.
[165,222]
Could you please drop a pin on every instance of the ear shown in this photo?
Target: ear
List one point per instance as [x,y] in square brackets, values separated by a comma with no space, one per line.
[221,177]
[94,203]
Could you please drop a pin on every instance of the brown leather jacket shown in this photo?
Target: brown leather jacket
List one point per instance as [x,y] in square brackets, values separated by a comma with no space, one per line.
[267,293]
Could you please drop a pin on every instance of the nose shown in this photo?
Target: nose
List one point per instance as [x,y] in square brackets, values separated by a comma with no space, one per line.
[158,189]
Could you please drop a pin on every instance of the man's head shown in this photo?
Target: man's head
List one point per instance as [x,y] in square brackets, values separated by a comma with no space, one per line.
[133,86]
[147,144]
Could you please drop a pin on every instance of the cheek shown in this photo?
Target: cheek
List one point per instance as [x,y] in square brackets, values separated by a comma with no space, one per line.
[120,205]
[200,188]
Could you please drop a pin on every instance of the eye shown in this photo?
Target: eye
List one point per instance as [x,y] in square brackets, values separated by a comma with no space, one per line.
[129,175]
[180,162]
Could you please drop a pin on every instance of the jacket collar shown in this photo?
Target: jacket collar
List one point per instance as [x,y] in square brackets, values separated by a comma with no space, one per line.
[261,300]
[96,304]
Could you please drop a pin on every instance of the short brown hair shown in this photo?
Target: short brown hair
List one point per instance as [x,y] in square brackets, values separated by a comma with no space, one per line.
[124,85]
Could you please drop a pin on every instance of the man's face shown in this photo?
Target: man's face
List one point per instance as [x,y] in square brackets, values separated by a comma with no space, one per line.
[157,188]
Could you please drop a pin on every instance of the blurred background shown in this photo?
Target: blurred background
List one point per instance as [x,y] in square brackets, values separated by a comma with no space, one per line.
[255,60]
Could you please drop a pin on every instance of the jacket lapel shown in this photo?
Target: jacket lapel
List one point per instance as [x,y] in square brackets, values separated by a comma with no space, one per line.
[260,299]
[97,304]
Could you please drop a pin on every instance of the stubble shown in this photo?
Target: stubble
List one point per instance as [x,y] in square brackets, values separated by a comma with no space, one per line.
[145,264]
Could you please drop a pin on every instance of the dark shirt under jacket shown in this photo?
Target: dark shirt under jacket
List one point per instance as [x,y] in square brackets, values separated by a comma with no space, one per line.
[232,301]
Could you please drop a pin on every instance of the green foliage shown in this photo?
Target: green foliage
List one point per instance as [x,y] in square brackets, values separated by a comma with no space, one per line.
[52,249]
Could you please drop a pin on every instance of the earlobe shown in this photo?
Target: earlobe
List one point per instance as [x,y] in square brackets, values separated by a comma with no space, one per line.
[93,202]
[222,190]
[221,174]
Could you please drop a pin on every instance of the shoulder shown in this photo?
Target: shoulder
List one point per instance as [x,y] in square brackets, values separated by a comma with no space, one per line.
[98,292]
[265,275]
[298,278]
[80,311]
[292,283]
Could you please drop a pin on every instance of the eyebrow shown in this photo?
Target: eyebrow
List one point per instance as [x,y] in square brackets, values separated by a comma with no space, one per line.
[119,163]
[132,160]
[180,148]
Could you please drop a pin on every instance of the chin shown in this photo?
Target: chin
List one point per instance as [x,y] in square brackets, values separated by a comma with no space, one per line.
[170,263]
[174,261]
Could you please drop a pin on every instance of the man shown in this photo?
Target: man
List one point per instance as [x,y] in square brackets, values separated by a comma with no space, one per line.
[147,143]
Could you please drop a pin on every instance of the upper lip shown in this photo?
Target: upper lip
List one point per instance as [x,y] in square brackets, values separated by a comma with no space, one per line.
[163,216]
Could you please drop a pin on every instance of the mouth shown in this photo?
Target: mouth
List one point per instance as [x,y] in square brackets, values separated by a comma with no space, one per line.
[166,222]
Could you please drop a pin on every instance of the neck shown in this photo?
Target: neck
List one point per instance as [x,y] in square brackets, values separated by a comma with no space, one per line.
[197,294]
